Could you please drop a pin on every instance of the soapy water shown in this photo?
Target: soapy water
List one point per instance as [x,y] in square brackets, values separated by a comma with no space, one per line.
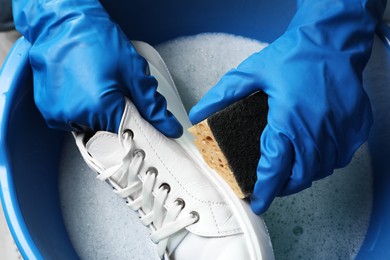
[327,221]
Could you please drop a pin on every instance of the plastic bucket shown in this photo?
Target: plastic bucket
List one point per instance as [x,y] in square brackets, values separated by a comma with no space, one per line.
[30,151]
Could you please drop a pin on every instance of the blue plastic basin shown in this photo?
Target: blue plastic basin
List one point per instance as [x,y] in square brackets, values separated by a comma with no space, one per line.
[30,151]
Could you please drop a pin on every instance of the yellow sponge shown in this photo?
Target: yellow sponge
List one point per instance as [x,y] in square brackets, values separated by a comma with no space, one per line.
[229,141]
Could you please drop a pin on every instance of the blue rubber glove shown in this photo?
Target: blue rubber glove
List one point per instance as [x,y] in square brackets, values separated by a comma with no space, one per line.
[319,113]
[83,67]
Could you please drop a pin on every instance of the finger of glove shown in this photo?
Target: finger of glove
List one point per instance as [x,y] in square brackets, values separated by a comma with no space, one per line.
[108,119]
[150,103]
[100,113]
[233,86]
[307,165]
[274,168]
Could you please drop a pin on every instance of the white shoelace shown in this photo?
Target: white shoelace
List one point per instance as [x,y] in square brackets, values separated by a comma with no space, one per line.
[139,195]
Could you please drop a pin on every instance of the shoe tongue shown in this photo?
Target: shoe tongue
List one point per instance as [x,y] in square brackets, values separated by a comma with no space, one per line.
[105,148]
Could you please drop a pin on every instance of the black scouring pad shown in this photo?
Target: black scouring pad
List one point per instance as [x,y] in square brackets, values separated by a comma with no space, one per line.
[229,141]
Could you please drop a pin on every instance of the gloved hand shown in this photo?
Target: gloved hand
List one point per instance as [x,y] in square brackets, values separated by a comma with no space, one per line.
[83,67]
[319,113]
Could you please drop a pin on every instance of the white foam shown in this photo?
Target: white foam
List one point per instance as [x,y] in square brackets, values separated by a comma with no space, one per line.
[327,221]
[198,62]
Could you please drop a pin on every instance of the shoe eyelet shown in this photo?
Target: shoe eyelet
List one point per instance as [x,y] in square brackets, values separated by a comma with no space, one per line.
[152,170]
[180,202]
[140,153]
[165,186]
[128,132]
[195,215]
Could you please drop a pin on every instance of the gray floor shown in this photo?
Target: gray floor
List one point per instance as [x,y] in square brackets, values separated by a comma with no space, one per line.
[7,39]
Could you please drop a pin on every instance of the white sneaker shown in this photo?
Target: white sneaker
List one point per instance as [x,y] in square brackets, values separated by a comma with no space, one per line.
[191,212]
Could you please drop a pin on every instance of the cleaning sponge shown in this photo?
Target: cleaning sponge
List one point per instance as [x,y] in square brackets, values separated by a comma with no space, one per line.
[229,141]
